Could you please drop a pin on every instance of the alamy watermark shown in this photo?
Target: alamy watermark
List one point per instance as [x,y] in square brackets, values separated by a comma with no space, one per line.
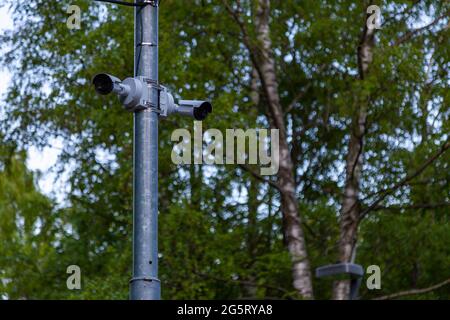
[373,282]
[374,20]
[209,147]
[74,20]
[74,280]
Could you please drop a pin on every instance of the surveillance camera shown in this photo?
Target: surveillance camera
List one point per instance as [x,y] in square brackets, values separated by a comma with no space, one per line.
[136,93]
[105,84]
[133,92]
[197,109]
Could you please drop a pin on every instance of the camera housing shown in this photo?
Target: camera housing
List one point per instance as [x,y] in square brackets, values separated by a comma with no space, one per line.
[197,109]
[137,97]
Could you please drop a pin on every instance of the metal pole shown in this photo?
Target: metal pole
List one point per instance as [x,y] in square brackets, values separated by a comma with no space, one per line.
[145,284]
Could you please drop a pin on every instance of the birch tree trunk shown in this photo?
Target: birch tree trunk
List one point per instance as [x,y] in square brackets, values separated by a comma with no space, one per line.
[351,209]
[265,65]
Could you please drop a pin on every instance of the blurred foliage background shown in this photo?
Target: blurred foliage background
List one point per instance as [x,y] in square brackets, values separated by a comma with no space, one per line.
[220,228]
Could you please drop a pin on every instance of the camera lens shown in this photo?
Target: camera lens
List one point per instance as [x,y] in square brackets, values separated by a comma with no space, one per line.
[103,83]
[201,112]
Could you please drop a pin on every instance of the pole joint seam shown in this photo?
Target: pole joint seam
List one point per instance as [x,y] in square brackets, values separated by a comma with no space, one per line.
[153,3]
[148,279]
[150,44]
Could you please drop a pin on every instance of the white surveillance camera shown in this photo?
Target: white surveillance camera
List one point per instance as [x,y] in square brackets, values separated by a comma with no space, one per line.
[135,93]
[197,109]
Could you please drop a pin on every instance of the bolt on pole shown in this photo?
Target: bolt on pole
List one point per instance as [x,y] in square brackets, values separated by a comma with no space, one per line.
[145,284]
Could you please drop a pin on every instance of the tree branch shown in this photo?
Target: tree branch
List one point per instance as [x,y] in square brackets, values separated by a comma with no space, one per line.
[412,207]
[304,91]
[245,282]
[259,177]
[414,291]
[407,36]
[245,35]
[388,191]
[406,11]
[298,97]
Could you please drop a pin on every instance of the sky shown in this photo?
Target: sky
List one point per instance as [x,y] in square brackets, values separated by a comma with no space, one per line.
[37,160]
